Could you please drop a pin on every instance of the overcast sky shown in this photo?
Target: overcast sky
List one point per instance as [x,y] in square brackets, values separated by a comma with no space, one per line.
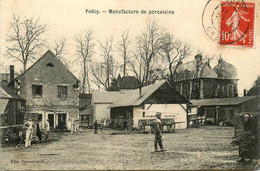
[67,17]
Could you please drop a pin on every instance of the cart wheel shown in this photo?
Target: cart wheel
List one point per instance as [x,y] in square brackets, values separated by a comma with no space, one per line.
[170,128]
[143,129]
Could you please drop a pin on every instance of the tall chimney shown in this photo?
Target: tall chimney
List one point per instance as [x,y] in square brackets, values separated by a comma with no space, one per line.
[245,92]
[12,77]
[140,91]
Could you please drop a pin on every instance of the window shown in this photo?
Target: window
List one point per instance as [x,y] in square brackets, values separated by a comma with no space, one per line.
[230,90]
[62,91]
[37,90]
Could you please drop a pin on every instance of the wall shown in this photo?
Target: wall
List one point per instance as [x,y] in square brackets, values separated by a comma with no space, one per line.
[167,110]
[101,111]
[88,111]
[219,88]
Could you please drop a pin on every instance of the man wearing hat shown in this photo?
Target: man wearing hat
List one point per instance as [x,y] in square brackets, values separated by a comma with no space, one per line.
[158,132]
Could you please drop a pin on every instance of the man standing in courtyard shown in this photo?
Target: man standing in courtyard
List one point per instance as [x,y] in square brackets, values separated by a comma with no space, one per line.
[95,126]
[158,132]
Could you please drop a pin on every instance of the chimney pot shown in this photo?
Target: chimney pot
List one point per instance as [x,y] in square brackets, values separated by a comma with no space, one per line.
[12,77]
[140,91]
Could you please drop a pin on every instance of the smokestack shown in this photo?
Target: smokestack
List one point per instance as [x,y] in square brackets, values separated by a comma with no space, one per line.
[12,77]
[245,92]
[140,91]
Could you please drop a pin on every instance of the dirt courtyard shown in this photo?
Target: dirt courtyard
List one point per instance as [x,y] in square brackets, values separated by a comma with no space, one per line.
[207,147]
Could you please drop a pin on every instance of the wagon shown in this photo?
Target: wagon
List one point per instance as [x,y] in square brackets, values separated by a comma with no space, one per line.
[168,122]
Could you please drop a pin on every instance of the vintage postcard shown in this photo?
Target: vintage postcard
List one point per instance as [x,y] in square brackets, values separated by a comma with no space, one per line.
[129,84]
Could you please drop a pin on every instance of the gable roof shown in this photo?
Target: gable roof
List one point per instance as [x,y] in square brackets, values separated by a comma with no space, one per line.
[7,93]
[49,52]
[105,96]
[221,101]
[129,82]
[132,97]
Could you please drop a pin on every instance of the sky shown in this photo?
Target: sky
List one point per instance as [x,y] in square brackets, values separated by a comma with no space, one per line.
[67,17]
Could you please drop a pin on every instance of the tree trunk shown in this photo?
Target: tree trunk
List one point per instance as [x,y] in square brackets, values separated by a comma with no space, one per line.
[124,67]
[87,78]
[171,74]
[24,67]
[84,76]
[147,73]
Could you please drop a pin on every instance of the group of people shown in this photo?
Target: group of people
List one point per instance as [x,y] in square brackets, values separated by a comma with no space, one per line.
[72,125]
[105,122]
[41,129]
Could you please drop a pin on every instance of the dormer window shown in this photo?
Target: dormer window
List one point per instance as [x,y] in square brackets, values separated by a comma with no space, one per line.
[50,65]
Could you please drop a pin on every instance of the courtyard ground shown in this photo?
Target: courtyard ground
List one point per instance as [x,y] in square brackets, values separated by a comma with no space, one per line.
[207,147]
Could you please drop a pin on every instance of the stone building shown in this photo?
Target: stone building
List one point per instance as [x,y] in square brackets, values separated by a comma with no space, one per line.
[50,91]
[198,80]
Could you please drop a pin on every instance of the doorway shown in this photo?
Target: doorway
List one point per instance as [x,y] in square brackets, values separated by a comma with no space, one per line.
[62,118]
[85,120]
[51,120]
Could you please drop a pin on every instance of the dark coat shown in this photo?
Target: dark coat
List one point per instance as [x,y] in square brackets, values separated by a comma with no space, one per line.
[158,130]
[95,124]
[247,139]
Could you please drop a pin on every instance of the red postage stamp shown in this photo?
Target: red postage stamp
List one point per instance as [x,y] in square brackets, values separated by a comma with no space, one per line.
[237,24]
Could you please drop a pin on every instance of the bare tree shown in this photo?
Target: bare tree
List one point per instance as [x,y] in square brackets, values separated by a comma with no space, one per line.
[99,71]
[106,70]
[123,48]
[106,49]
[60,49]
[25,39]
[84,43]
[149,43]
[174,52]
[99,75]
[137,66]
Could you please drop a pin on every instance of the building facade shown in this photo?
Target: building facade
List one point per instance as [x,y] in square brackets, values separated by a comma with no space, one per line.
[197,80]
[50,90]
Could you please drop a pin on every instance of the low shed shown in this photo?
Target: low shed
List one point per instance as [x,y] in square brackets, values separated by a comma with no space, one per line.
[222,110]
[146,101]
